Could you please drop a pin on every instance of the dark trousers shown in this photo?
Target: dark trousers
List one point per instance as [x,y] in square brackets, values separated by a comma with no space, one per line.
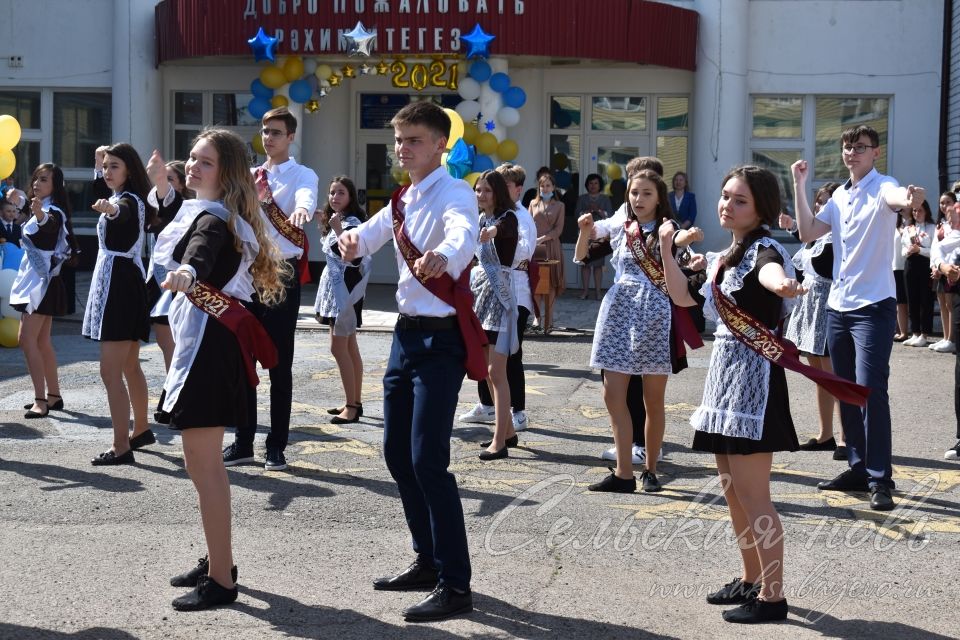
[920,297]
[280,323]
[956,369]
[420,390]
[515,378]
[638,411]
[860,343]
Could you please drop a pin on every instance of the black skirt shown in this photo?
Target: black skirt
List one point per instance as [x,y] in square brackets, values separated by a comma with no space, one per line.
[54,302]
[153,296]
[126,315]
[901,286]
[779,433]
[215,391]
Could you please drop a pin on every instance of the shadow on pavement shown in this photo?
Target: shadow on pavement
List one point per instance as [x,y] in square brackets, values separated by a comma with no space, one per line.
[94,633]
[831,627]
[59,478]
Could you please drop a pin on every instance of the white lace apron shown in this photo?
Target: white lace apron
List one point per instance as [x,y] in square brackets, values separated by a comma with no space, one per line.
[103,269]
[187,322]
[38,266]
[738,379]
[162,307]
[495,302]
[332,294]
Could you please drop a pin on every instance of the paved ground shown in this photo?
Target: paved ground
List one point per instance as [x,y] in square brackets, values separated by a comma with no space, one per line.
[87,552]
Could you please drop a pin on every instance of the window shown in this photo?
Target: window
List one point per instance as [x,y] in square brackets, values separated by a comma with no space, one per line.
[194,110]
[22,105]
[616,113]
[565,112]
[777,117]
[378,109]
[81,123]
[833,115]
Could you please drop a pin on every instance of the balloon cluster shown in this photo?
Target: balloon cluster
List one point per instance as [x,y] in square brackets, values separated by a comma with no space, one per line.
[9,137]
[10,257]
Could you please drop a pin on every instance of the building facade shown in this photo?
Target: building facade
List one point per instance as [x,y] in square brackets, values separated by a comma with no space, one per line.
[704,84]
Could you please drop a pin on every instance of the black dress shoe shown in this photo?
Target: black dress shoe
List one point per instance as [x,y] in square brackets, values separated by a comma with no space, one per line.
[31,414]
[734,592]
[849,480]
[840,453]
[813,445]
[443,602]
[192,577]
[756,610]
[649,482]
[357,412]
[335,411]
[613,484]
[208,593]
[512,441]
[419,575]
[495,455]
[880,499]
[143,439]
[111,458]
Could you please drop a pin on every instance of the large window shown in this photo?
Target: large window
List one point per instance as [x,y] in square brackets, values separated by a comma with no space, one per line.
[194,110]
[81,123]
[787,128]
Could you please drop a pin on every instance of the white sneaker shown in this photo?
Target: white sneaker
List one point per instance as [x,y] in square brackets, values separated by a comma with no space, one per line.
[520,421]
[934,345]
[953,454]
[915,341]
[944,346]
[611,455]
[480,413]
[641,453]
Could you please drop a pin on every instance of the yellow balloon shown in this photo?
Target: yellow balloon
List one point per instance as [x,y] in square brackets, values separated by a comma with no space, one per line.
[293,68]
[487,144]
[9,332]
[507,150]
[257,143]
[8,162]
[456,127]
[614,172]
[279,101]
[273,77]
[472,178]
[470,133]
[9,132]
[323,72]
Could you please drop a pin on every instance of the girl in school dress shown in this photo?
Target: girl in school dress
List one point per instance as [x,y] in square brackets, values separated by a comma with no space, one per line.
[116,312]
[38,292]
[633,332]
[745,413]
[343,285]
[807,326]
[217,240]
[494,301]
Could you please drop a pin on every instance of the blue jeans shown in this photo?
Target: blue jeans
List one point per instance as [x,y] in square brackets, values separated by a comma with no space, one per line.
[860,343]
[420,391]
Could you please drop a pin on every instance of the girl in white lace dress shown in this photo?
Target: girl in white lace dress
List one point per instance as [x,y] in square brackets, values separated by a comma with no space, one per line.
[745,413]
[632,335]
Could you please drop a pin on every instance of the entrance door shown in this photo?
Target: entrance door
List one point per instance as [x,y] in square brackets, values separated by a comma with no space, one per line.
[376,180]
[609,157]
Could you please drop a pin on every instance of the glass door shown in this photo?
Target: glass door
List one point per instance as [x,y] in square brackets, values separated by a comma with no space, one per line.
[609,158]
[377,175]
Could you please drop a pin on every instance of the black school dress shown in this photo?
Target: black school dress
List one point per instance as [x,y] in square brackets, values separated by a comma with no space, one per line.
[48,237]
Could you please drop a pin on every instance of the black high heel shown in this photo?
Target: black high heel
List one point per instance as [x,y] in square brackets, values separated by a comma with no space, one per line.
[31,414]
[355,418]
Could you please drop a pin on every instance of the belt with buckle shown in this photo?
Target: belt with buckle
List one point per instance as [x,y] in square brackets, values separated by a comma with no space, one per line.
[426,323]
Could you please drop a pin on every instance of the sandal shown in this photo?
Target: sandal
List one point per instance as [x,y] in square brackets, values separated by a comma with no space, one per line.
[356,418]
[56,406]
[31,414]
[337,411]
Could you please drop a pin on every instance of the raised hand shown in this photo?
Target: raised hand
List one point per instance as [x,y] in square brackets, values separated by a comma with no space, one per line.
[157,169]
[349,243]
[785,221]
[916,196]
[800,170]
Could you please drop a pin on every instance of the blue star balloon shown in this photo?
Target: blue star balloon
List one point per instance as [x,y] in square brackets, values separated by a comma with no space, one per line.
[360,41]
[263,46]
[479,42]
[490,125]
[460,159]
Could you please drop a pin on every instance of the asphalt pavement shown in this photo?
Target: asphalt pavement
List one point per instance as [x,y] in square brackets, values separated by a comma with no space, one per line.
[88,551]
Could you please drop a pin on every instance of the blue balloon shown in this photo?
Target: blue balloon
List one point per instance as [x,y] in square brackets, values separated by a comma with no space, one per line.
[460,159]
[482,163]
[263,46]
[500,82]
[12,255]
[480,71]
[260,90]
[258,107]
[515,97]
[300,91]
[562,178]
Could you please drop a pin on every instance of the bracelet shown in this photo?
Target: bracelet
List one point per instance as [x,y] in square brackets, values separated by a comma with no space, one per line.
[442,257]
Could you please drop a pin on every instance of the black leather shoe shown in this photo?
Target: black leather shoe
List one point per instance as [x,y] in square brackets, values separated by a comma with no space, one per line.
[495,455]
[357,412]
[613,484]
[840,453]
[734,592]
[849,480]
[143,439]
[208,593]
[111,458]
[880,499]
[756,610]
[813,445]
[161,417]
[443,602]
[419,575]
[190,578]
[512,441]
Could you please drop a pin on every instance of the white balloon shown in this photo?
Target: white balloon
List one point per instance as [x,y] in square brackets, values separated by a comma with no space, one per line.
[7,277]
[508,116]
[309,66]
[6,311]
[469,89]
[468,110]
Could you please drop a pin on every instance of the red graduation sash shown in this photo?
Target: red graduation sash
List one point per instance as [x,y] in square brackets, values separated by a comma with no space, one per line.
[255,343]
[455,293]
[751,332]
[686,330]
[281,222]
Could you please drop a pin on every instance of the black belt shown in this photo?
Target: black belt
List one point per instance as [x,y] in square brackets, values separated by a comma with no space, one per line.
[426,323]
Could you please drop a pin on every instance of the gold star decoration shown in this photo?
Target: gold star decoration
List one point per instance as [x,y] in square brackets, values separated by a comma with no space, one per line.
[382,68]
[335,79]
[312,105]
[349,72]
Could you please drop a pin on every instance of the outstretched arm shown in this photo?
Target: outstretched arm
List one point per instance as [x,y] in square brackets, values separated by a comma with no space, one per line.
[676,280]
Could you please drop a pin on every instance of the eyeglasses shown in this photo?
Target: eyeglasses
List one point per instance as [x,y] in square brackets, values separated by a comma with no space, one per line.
[272,133]
[858,149]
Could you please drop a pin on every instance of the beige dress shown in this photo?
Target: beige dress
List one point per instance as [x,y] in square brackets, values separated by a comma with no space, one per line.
[549,221]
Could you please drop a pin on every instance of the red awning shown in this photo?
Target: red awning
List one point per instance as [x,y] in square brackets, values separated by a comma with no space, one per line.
[637,31]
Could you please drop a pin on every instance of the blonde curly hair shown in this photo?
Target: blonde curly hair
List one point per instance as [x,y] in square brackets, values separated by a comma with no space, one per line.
[240,199]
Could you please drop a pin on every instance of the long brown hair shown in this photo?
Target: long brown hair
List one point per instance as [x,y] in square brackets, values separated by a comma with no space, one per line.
[240,199]
[765,190]
[501,194]
[664,210]
[59,198]
[353,208]
[137,181]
